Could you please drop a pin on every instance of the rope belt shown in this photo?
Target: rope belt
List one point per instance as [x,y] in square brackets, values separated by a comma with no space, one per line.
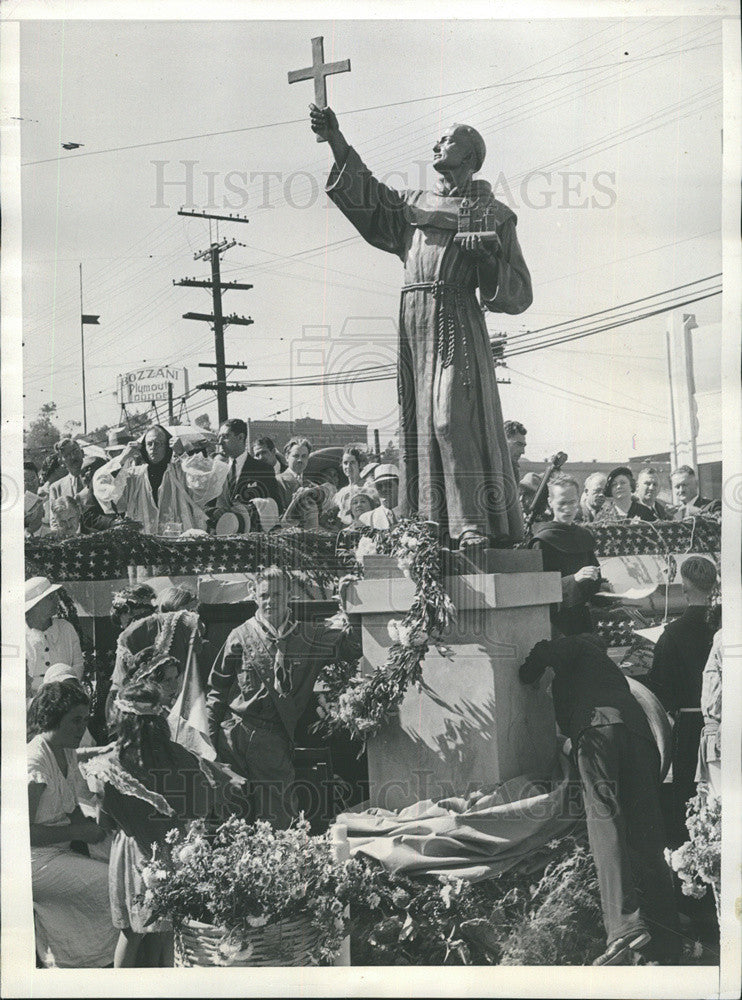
[448,299]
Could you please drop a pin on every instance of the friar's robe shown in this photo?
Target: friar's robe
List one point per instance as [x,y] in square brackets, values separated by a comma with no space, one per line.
[455,465]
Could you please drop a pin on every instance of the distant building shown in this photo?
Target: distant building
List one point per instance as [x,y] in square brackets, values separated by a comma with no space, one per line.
[321,434]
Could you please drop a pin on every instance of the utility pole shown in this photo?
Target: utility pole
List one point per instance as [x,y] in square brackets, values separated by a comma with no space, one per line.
[498,343]
[82,353]
[217,318]
[84,318]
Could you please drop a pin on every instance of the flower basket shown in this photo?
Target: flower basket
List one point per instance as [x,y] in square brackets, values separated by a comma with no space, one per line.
[288,943]
[248,894]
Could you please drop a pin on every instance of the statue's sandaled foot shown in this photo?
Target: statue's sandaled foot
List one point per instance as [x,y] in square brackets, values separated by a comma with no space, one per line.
[471,538]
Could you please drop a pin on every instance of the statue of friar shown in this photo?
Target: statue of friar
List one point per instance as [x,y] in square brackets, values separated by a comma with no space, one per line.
[455,467]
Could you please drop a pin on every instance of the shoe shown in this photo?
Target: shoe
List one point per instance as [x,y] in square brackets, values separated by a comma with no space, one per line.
[618,951]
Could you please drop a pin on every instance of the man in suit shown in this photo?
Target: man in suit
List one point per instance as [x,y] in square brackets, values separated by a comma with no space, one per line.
[303,501]
[686,494]
[619,767]
[592,499]
[647,488]
[71,485]
[515,436]
[265,450]
[247,478]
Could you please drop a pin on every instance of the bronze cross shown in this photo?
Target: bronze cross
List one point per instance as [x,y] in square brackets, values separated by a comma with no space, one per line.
[318,72]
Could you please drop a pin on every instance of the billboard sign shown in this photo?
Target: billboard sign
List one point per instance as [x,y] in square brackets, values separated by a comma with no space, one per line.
[146,385]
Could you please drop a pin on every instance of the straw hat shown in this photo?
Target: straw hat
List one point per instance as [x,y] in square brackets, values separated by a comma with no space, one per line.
[37,588]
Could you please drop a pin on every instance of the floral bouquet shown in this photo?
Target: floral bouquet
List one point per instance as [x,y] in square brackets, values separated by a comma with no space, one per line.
[698,860]
[249,876]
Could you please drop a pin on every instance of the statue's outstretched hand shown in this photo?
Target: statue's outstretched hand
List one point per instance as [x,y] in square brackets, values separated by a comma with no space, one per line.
[323,121]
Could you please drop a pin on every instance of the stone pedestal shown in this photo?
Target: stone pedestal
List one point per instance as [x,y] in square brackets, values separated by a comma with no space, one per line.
[472,723]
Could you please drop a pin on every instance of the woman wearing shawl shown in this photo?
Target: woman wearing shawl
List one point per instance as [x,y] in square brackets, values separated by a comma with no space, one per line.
[166,633]
[569,550]
[150,786]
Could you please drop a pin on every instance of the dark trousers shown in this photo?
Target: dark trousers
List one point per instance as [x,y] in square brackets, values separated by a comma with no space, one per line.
[685,739]
[262,753]
[620,776]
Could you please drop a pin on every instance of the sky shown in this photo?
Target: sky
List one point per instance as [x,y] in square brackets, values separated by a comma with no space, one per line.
[603,135]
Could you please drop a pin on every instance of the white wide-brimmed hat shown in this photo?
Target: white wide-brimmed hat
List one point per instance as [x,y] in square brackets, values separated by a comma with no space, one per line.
[37,588]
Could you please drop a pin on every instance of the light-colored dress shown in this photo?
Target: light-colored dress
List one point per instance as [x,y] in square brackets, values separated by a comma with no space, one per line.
[58,644]
[71,905]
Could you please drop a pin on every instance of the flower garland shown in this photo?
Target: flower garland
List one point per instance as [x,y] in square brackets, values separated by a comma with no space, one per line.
[362,705]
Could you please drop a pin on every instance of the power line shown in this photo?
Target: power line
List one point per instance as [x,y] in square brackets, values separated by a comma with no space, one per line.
[353,111]
[588,399]
[528,349]
[623,305]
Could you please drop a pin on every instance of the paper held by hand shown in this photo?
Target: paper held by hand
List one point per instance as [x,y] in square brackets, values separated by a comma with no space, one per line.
[631,594]
[651,634]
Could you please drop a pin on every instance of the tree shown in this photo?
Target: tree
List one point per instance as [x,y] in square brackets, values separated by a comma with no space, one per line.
[42,434]
[203,421]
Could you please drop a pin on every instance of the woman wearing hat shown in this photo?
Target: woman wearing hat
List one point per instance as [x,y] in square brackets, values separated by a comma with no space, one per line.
[70,891]
[621,504]
[49,638]
[150,785]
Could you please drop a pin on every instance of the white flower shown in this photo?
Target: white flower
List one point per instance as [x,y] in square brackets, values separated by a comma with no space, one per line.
[153,877]
[393,628]
[366,547]
[404,633]
[260,921]
[373,900]
[186,854]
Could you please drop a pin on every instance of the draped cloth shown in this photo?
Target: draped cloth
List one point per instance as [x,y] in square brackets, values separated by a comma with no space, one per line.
[473,839]
[455,466]
[129,488]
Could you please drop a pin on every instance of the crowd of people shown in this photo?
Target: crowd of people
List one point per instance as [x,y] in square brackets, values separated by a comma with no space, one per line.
[117,756]
[160,487]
